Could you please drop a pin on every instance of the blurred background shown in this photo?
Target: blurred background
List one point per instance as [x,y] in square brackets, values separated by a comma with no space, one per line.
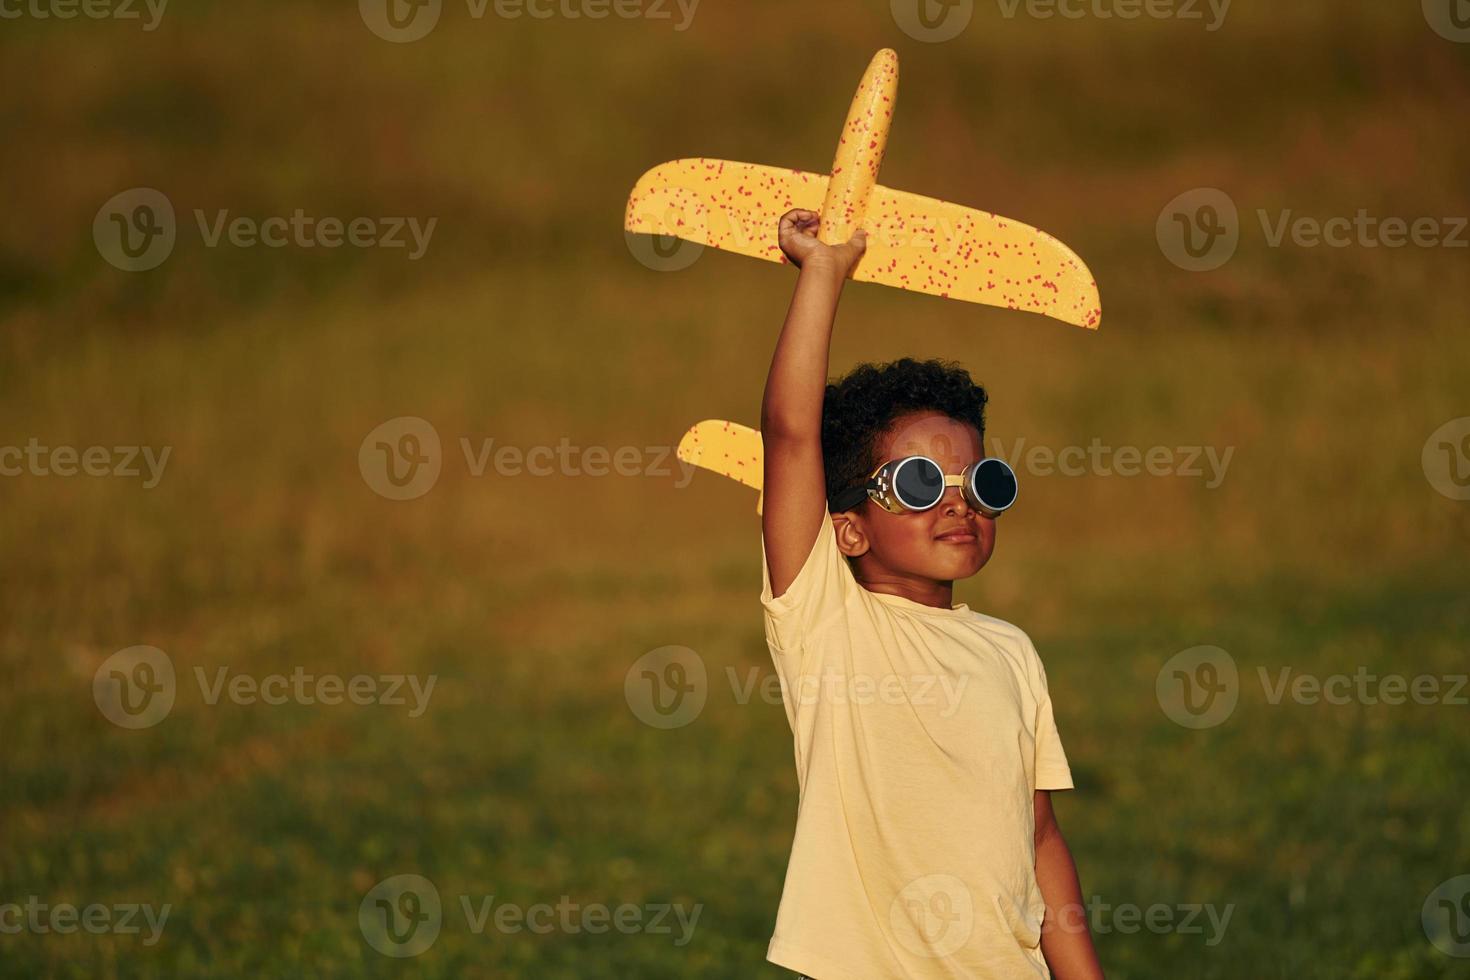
[1328,380]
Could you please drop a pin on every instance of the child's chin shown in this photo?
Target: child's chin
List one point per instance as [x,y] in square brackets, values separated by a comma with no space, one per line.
[959,566]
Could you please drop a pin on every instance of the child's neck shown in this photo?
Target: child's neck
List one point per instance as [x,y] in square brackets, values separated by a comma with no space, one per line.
[926,592]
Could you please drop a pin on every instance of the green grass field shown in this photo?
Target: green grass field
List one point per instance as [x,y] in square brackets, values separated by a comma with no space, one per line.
[262,549]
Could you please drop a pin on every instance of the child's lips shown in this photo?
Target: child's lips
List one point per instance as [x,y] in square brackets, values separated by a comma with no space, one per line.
[957,536]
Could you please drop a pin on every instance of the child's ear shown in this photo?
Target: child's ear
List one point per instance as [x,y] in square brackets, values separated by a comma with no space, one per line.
[852,540]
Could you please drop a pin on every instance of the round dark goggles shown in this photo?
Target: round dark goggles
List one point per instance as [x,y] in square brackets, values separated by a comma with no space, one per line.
[917,483]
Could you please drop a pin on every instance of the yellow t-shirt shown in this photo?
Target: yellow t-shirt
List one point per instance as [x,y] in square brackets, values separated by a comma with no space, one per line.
[921,735]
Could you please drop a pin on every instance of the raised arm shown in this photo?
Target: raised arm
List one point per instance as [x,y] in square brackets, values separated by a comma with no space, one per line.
[791,412]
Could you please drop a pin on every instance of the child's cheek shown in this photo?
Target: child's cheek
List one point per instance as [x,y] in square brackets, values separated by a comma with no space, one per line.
[986,527]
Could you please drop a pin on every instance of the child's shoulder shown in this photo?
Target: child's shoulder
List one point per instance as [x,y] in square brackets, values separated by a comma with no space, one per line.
[999,626]
[1005,632]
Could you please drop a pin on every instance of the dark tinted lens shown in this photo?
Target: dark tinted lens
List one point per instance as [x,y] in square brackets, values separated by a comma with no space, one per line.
[918,483]
[995,484]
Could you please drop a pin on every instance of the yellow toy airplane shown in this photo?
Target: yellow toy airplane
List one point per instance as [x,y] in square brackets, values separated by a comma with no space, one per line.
[729,449]
[914,242]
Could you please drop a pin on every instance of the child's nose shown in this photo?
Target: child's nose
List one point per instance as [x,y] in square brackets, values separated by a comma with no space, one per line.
[954,502]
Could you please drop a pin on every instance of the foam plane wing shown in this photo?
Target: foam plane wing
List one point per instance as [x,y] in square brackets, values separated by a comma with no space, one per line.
[914,242]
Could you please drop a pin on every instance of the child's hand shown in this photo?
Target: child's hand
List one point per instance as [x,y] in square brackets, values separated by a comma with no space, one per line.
[798,239]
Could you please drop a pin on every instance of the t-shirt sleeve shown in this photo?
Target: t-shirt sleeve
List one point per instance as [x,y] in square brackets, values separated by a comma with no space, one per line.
[1052,770]
[818,592]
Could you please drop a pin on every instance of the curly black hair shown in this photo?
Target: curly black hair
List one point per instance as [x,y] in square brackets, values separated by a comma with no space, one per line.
[863,404]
